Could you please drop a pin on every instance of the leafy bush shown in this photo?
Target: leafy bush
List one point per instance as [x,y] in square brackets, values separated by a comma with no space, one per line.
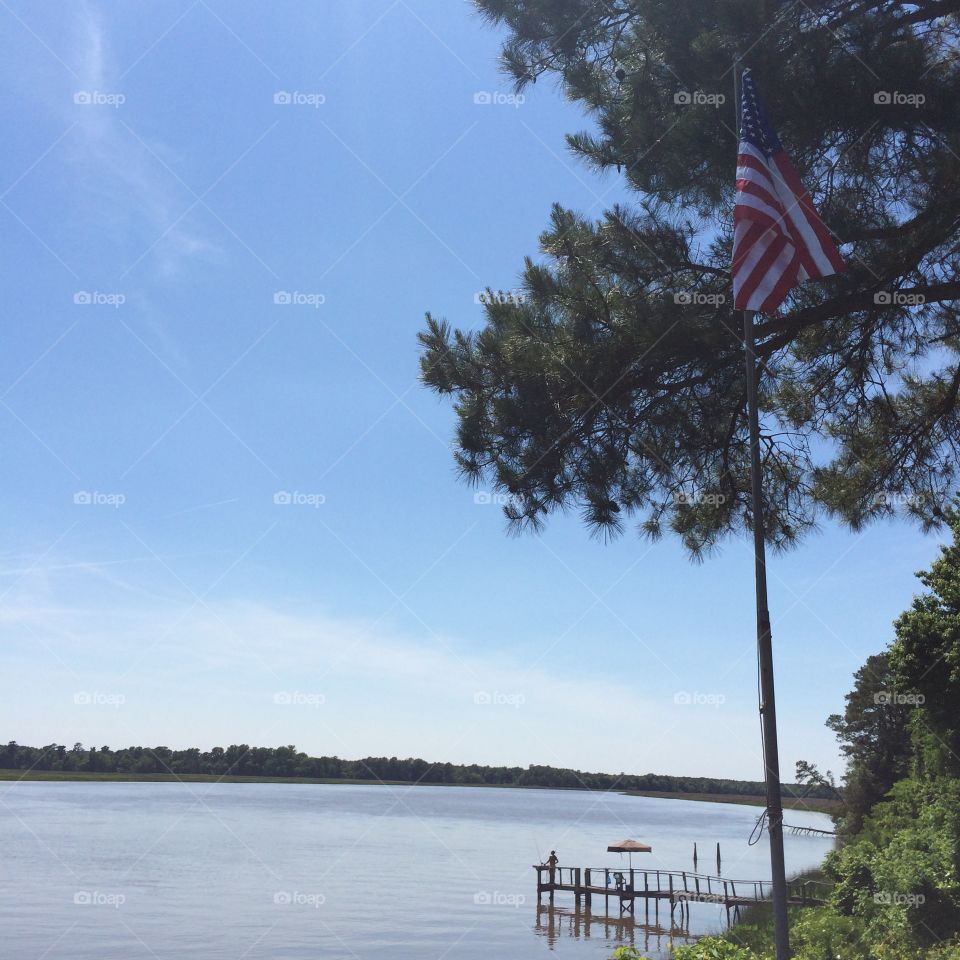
[713,948]
[823,934]
[901,874]
[946,951]
[926,659]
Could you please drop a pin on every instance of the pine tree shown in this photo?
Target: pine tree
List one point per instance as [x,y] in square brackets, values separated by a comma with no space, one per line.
[875,738]
[926,659]
[615,383]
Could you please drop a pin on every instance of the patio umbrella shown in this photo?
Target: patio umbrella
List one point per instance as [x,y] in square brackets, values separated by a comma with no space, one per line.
[629,847]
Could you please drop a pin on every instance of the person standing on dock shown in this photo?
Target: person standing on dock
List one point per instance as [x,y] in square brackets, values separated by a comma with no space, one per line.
[552,862]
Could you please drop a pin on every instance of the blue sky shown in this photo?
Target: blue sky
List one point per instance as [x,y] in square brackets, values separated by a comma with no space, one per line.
[212,302]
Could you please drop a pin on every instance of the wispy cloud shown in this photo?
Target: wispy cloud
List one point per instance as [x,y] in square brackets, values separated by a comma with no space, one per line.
[122,174]
[202,670]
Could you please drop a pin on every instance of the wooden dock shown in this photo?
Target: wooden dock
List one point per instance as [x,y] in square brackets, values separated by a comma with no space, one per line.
[808,831]
[675,889]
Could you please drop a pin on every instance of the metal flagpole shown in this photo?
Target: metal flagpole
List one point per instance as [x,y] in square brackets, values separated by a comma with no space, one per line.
[768,710]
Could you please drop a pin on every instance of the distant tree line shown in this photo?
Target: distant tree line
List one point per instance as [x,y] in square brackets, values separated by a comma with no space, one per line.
[242,760]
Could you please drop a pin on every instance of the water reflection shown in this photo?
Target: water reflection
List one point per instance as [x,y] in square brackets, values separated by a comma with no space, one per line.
[220,871]
[554,923]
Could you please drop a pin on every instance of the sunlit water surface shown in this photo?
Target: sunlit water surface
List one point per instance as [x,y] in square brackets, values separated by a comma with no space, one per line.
[119,871]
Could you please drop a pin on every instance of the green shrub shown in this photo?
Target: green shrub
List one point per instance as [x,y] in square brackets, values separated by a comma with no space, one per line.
[713,948]
[946,951]
[900,874]
[823,934]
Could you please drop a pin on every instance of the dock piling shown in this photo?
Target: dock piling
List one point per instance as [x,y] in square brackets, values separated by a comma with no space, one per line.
[678,887]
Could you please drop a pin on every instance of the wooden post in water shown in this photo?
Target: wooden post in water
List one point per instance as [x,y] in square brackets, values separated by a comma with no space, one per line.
[587,898]
[718,856]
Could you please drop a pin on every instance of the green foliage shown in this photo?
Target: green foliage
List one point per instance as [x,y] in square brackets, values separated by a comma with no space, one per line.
[926,659]
[822,934]
[875,738]
[945,951]
[754,932]
[615,384]
[627,953]
[896,873]
[713,948]
[901,873]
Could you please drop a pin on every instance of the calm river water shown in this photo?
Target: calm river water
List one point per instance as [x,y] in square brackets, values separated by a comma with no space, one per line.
[119,871]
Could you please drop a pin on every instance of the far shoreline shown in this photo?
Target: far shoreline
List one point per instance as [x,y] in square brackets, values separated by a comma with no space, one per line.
[812,805]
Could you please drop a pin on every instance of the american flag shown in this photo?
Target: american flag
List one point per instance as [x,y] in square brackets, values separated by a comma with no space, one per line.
[779,239]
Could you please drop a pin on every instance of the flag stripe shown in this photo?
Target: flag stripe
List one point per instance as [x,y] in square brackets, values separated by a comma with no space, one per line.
[761,246]
[759,189]
[779,239]
[782,273]
[811,246]
[760,281]
[761,201]
[826,243]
